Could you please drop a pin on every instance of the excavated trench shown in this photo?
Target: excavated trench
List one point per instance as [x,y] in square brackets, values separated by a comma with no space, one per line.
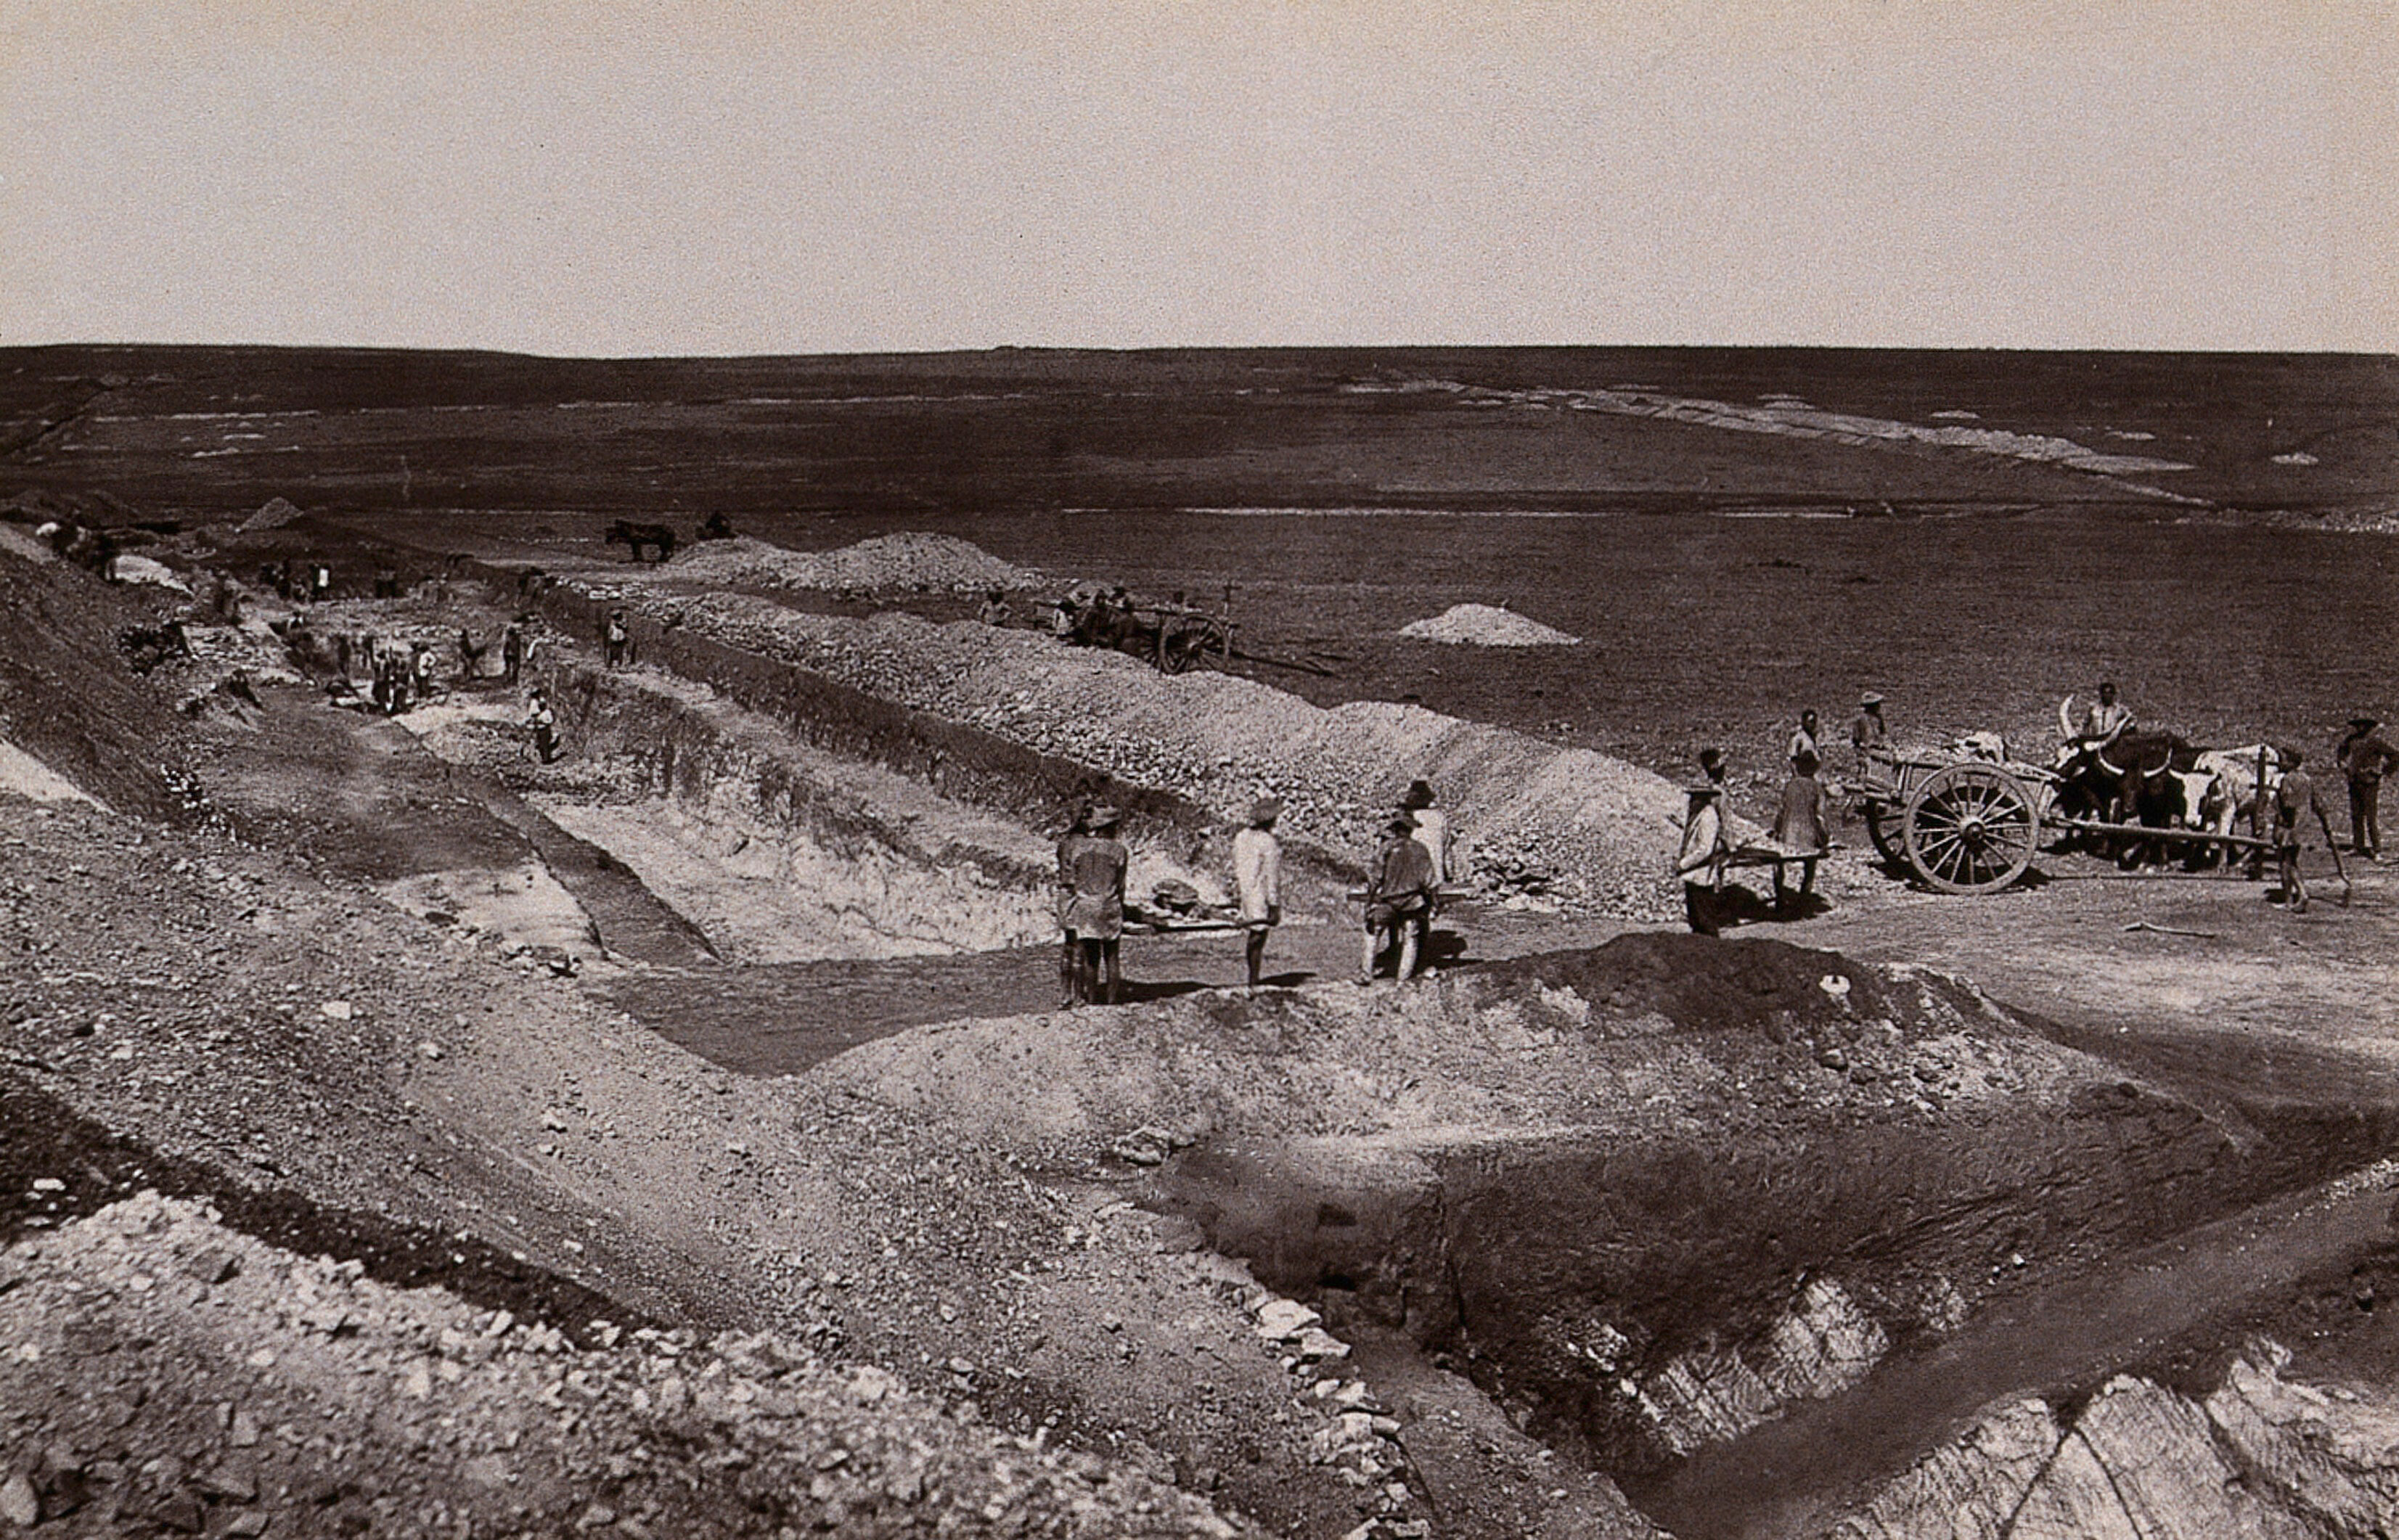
[1804,1236]
[1808,1220]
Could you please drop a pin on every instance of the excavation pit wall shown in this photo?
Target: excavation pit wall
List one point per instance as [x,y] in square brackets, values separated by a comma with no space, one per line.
[1652,1196]
[1537,825]
[776,851]
[781,851]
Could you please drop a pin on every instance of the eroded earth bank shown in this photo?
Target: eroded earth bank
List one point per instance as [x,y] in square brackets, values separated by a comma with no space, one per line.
[406,1136]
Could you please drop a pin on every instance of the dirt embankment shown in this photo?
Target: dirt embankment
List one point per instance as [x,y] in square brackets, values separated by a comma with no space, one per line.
[68,700]
[1562,828]
[1651,1197]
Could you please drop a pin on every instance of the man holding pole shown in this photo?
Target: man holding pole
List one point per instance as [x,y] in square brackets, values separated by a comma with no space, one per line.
[2294,800]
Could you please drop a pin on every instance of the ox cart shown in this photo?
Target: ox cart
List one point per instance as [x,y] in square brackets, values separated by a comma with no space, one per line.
[1969,824]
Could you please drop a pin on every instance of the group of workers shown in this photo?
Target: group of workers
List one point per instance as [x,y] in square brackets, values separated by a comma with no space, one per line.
[1404,883]
[1802,832]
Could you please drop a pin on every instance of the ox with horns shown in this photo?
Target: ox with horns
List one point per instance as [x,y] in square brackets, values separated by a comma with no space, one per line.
[2137,778]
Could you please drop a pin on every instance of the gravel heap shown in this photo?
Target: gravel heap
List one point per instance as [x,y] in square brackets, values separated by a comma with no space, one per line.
[164,1372]
[1485,626]
[272,515]
[1547,826]
[921,563]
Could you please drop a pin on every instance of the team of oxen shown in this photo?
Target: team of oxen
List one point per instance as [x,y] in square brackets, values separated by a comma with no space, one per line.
[2150,780]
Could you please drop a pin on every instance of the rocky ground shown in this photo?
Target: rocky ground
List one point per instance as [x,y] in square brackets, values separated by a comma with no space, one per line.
[166,1374]
[1412,1261]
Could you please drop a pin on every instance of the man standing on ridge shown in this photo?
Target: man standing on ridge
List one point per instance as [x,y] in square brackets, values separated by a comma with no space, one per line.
[1803,741]
[2366,756]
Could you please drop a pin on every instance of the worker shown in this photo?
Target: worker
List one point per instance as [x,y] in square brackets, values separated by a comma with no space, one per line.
[1090,907]
[423,666]
[1801,826]
[1432,829]
[1257,879]
[2364,757]
[1803,741]
[2293,801]
[619,638]
[1700,864]
[1399,899]
[994,611]
[541,722]
[2107,719]
[1070,953]
[1869,735]
[512,651]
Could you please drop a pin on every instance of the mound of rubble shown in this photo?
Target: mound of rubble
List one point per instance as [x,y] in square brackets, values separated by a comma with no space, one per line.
[273,515]
[909,561]
[1486,625]
[1563,828]
[165,1373]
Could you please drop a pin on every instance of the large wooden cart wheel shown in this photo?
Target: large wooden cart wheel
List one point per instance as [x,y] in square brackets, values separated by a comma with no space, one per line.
[1971,828]
[1882,826]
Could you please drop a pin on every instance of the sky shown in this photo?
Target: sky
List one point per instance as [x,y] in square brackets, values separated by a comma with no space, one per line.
[727,178]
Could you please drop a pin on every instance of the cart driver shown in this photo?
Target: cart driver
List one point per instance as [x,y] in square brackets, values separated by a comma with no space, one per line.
[2107,721]
[1869,735]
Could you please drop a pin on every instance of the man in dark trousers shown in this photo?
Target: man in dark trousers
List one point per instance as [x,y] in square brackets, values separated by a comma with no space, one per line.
[1399,899]
[619,637]
[2366,756]
[1700,864]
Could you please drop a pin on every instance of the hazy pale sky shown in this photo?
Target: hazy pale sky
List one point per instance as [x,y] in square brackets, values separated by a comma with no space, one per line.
[833,177]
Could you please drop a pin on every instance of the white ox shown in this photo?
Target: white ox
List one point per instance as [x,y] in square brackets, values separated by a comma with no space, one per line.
[1989,747]
[2223,786]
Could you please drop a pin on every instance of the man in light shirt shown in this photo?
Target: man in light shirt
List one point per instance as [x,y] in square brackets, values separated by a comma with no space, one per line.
[1700,864]
[1257,879]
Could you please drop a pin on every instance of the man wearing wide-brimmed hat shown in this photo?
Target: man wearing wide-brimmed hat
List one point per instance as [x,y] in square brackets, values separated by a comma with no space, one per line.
[1399,898]
[1700,864]
[1257,879]
[2366,756]
[1869,735]
[1092,863]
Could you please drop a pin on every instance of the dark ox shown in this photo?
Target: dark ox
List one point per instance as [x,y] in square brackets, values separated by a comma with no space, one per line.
[2147,778]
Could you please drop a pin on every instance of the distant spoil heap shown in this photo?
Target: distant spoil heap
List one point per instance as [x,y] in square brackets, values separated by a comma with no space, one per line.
[1486,625]
[909,561]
